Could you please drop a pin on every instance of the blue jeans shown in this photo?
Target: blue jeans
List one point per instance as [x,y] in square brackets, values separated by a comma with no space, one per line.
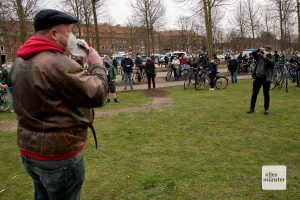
[55,180]
[234,77]
[127,80]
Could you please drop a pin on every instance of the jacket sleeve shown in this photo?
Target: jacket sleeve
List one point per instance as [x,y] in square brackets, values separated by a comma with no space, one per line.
[270,60]
[255,54]
[113,69]
[82,89]
[123,63]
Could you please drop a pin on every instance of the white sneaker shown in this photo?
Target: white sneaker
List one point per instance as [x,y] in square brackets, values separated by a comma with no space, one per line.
[211,89]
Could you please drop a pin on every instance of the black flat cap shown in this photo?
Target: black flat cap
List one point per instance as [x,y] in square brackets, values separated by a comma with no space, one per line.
[49,18]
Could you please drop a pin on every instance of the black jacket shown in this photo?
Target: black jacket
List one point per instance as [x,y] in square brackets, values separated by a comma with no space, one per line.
[232,65]
[150,68]
[127,64]
[269,61]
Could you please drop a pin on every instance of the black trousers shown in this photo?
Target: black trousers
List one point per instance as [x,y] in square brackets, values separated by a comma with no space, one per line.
[212,77]
[257,83]
[150,78]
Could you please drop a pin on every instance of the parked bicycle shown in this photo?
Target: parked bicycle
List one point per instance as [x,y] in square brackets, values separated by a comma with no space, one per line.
[139,76]
[280,81]
[181,72]
[203,80]
[190,78]
[4,100]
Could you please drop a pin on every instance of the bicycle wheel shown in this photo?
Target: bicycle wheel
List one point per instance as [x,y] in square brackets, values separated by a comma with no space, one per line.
[187,82]
[144,78]
[5,101]
[200,83]
[134,79]
[169,76]
[184,74]
[287,84]
[221,82]
[274,83]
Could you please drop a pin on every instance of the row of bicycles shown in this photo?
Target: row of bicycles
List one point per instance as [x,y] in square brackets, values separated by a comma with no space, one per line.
[200,79]
[283,76]
[195,77]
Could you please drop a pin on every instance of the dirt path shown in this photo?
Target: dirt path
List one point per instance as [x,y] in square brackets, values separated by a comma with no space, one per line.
[161,101]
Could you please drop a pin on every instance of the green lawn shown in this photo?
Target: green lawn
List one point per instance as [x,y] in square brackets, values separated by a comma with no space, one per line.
[204,147]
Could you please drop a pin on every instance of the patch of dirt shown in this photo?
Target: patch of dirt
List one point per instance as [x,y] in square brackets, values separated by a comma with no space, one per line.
[161,101]
[159,93]
[8,126]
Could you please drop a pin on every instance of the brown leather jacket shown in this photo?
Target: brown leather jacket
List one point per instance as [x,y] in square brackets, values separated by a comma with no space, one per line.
[53,99]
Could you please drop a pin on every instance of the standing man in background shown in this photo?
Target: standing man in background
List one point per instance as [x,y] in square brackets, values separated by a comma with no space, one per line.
[127,66]
[53,101]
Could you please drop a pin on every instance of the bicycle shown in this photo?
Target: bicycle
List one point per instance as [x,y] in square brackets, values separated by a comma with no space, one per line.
[202,81]
[280,80]
[139,76]
[190,78]
[182,73]
[4,100]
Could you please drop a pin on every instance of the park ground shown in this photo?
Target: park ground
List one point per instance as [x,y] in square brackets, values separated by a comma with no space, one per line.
[171,143]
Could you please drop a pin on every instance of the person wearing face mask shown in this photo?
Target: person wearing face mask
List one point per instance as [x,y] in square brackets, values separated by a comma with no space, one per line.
[53,100]
[127,66]
[262,76]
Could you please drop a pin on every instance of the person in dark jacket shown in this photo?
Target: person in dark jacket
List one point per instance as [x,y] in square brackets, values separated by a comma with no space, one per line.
[213,69]
[139,65]
[127,66]
[53,100]
[150,72]
[166,58]
[262,75]
[232,65]
[240,59]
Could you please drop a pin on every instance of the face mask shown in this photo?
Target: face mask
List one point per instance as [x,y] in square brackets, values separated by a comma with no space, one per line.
[73,46]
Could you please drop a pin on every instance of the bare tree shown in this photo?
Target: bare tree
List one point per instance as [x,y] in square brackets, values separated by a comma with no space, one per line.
[252,12]
[148,13]
[20,11]
[189,33]
[207,9]
[240,23]
[283,9]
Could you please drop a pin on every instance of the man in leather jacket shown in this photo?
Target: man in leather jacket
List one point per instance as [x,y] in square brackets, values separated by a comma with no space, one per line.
[262,75]
[53,99]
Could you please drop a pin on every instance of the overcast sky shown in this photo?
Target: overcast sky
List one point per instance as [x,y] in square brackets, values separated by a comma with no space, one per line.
[120,10]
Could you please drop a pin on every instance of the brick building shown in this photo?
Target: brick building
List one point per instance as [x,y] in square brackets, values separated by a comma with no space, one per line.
[113,39]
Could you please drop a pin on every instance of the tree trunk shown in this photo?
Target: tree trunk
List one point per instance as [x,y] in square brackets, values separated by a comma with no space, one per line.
[152,40]
[22,20]
[281,26]
[96,25]
[208,25]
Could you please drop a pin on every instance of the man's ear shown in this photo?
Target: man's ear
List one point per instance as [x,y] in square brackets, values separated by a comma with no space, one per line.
[53,34]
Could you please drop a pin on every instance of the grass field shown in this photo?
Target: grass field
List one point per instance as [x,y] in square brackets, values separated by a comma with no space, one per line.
[203,147]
